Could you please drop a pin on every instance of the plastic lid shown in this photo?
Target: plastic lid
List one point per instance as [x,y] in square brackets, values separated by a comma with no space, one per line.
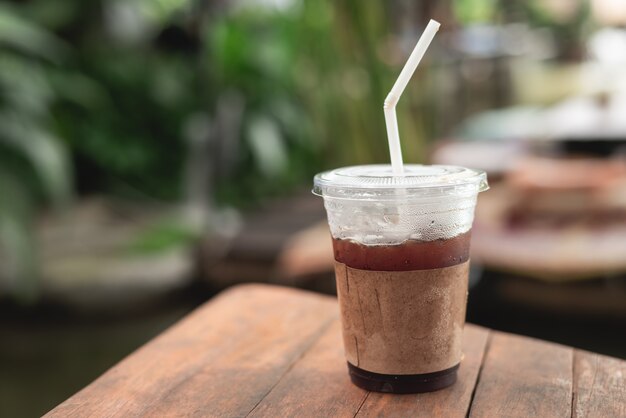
[373,182]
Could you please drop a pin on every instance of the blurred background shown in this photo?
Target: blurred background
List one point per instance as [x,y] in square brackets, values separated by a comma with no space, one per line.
[155,152]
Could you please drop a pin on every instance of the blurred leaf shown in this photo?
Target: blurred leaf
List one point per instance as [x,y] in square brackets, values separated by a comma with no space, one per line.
[52,14]
[293,120]
[78,88]
[161,11]
[169,88]
[19,33]
[45,153]
[272,58]
[19,271]
[267,146]
[474,11]
[230,53]
[162,237]
[25,87]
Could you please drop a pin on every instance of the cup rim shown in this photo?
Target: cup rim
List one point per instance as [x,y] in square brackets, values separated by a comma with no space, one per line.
[377,182]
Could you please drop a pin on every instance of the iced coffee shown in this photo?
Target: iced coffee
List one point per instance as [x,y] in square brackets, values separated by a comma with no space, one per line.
[401,249]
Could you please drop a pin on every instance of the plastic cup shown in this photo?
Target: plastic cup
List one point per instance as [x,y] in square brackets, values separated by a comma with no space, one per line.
[401,247]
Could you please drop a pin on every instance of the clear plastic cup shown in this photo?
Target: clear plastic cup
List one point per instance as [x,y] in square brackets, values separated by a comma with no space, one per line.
[401,247]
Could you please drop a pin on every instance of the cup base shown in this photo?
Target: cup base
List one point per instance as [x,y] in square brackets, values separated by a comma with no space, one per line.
[402,383]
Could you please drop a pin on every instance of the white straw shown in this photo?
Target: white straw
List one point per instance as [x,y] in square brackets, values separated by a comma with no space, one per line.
[391,101]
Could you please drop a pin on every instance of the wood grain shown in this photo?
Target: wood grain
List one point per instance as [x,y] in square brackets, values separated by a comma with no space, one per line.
[317,386]
[450,402]
[219,361]
[523,377]
[599,386]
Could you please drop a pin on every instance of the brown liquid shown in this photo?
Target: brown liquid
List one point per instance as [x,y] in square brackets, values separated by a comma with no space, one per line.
[403,309]
[410,255]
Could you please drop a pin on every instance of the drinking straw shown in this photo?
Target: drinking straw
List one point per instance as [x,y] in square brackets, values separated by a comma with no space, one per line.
[389,108]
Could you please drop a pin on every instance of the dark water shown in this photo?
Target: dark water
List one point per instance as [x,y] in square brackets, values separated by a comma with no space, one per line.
[48,353]
[589,314]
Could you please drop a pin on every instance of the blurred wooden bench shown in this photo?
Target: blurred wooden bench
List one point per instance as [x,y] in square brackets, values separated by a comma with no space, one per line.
[258,252]
[259,350]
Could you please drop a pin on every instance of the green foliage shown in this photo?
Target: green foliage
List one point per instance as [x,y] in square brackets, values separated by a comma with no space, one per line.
[311,77]
[141,98]
[33,160]
[162,236]
[475,11]
[125,92]
[253,53]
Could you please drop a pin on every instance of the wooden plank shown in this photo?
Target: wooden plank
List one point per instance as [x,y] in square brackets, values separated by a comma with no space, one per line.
[599,386]
[219,361]
[450,402]
[317,386]
[524,377]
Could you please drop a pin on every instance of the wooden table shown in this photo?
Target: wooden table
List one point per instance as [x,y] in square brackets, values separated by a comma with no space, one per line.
[259,350]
